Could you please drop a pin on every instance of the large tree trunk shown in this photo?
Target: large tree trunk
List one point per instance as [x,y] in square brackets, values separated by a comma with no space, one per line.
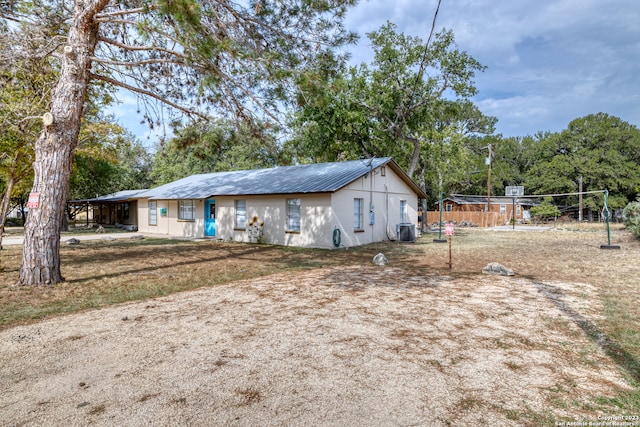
[54,151]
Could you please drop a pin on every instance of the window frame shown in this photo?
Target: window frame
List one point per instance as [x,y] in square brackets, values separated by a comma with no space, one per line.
[183,209]
[503,209]
[153,218]
[291,224]
[404,212]
[358,214]
[240,214]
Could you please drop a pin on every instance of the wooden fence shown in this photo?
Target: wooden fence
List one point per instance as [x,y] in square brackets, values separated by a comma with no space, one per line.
[481,219]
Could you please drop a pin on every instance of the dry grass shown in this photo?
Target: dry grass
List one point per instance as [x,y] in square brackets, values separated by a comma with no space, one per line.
[105,273]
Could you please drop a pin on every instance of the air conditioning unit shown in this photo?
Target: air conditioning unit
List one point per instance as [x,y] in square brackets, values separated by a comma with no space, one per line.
[406,232]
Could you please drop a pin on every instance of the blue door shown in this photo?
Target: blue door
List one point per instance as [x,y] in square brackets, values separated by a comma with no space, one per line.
[210,217]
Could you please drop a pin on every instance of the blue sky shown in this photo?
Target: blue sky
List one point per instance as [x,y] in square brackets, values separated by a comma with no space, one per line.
[548,62]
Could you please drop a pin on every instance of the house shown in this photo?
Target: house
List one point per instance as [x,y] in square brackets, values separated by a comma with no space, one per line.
[116,208]
[503,205]
[323,205]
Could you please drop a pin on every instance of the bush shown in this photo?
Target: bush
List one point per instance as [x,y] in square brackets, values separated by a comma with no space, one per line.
[545,211]
[631,215]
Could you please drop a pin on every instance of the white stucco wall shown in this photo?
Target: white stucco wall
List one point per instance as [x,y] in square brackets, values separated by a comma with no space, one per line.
[315,213]
[384,193]
[169,224]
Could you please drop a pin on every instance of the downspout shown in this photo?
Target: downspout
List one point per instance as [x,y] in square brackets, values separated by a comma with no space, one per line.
[386,212]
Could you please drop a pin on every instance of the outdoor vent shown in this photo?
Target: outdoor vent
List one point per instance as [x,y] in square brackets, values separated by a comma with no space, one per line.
[406,232]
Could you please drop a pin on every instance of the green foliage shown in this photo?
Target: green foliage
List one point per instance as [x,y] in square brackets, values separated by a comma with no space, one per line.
[603,150]
[546,210]
[631,215]
[214,147]
[108,159]
[395,106]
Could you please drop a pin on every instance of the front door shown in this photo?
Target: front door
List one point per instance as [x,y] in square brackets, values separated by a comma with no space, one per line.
[210,218]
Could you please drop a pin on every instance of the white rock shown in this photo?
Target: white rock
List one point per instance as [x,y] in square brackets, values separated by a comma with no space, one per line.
[380,259]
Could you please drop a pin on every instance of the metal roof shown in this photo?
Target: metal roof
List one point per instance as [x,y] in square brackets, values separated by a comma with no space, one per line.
[120,196]
[313,178]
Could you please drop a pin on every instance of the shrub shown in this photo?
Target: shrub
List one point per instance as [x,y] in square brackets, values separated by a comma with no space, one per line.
[631,215]
[545,210]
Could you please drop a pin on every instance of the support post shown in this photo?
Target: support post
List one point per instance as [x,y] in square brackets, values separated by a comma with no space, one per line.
[440,239]
[606,219]
[580,200]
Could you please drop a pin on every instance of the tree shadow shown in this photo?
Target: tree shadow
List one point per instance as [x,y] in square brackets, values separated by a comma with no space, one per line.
[622,357]
[242,252]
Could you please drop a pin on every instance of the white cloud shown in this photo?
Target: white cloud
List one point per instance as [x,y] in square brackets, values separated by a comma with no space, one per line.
[549,61]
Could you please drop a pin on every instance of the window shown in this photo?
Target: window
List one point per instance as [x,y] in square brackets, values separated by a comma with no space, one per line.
[186,210]
[518,210]
[241,214]
[358,214]
[122,211]
[293,215]
[153,213]
[404,216]
[449,207]
[503,208]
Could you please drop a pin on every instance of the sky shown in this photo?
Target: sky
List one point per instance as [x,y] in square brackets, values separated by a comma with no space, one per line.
[548,62]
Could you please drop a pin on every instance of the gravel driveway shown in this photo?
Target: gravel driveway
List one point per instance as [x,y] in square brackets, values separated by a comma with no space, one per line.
[334,346]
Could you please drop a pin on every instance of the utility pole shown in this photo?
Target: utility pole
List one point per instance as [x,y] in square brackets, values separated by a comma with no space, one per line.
[580,200]
[488,162]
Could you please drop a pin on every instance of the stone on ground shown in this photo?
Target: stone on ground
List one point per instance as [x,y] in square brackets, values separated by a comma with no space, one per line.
[380,259]
[495,268]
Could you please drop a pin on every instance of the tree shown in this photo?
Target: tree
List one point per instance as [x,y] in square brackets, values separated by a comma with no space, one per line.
[24,93]
[545,210]
[449,156]
[214,147]
[396,106]
[107,159]
[193,56]
[603,150]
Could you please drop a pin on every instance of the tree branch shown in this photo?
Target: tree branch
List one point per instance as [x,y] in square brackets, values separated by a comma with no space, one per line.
[125,12]
[138,63]
[149,94]
[140,48]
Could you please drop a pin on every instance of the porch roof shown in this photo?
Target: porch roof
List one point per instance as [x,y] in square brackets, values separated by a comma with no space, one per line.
[117,197]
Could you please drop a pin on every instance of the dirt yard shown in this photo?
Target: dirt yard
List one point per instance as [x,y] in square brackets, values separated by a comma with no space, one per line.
[345,343]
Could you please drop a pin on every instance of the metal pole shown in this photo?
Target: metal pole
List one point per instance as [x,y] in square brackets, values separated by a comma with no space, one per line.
[440,224]
[439,239]
[606,215]
[606,218]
